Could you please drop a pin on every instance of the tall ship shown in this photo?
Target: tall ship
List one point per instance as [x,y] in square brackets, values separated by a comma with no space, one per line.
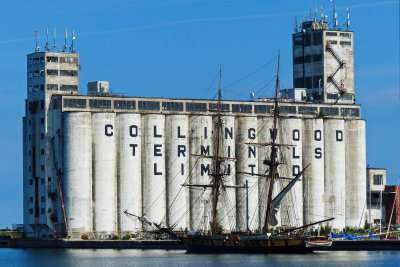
[264,239]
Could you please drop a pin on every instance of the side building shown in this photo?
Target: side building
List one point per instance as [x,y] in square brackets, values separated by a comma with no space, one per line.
[88,158]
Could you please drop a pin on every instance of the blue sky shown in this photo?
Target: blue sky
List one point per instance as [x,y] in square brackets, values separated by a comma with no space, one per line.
[174,48]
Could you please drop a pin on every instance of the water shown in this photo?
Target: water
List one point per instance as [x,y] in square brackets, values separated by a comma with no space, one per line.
[132,257]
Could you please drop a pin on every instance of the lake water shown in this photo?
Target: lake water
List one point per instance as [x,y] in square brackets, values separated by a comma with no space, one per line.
[132,257]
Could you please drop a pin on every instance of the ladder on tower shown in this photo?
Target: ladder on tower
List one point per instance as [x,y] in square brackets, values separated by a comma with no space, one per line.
[342,63]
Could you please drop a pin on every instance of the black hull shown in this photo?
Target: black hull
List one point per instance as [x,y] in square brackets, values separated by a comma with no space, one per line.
[212,246]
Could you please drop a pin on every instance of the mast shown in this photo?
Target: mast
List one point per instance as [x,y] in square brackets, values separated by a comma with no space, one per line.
[217,181]
[273,166]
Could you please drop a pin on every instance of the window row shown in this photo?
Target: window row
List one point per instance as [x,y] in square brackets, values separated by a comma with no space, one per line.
[202,107]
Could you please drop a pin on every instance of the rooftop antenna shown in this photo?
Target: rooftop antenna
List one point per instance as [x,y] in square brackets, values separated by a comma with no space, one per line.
[54,43]
[322,14]
[348,18]
[65,43]
[295,23]
[47,40]
[335,20]
[37,48]
[71,48]
[310,14]
[315,14]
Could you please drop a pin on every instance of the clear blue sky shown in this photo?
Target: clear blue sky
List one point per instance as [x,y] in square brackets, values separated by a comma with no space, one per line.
[173,48]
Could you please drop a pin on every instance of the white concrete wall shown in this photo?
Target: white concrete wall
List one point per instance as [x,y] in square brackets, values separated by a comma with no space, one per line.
[177,162]
[313,178]
[355,169]
[129,170]
[77,172]
[104,131]
[247,161]
[153,168]
[335,172]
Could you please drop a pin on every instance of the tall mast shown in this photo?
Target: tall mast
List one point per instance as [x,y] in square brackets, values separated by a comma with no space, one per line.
[273,166]
[217,163]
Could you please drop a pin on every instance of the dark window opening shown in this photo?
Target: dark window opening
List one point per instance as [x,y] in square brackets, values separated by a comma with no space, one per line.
[196,107]
[318,81]
[41,136]
[74,103]
[214,107]
[52,72]
[52,59]
[307,110]
[97,103]
[30,182]
[33,107]
[317,57]
[148,105]
[307,59]
[52,87]
[287,109]
[68,60]
[30,199]
[317,38]
[298,82]
[242,108]
[73,73]
[345,34]
[333,42]
[345,43]
[298,60]
[65,87]
[329,111]
[378,179]
[42,210]
[42,151]
[307,40]
[122,104]
[42,199]
[331,34]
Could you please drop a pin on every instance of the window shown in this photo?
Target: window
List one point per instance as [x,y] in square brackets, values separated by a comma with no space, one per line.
[52,59]
[317,57]
[318,81]
[41,87]
[30,181]
[30,74]
[332,96]
[42,167]
[35,61]
[36,73]
[33,106]
[351,112]
[41,120]
[331,34]
[214,107]
[41,104]
[242,108]
[308,110]
[347,97]
[42,180]
[41,136]
[49,179]
[57,103]
[68,73]
[69,87]
[287,109]
[298,60]
[307,59]
[68,60]
[30,211]
[122,104]
[298,41]
[333,42]
[262,109]
[42,199]
[345,34]
[52,72]
[49,210]
[41,151]
[329,111]
[196,107]
[173,106]
[30,61]
[298,83]
[378,179]
[307,40]
[345,43]
[30,199]
[317,38]
[74,103]
[308,82]
[42,210]
[98,103]
[52,87]
[41,60]
[148,105]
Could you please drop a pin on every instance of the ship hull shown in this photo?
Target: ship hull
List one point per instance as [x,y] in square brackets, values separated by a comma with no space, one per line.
[210,245]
